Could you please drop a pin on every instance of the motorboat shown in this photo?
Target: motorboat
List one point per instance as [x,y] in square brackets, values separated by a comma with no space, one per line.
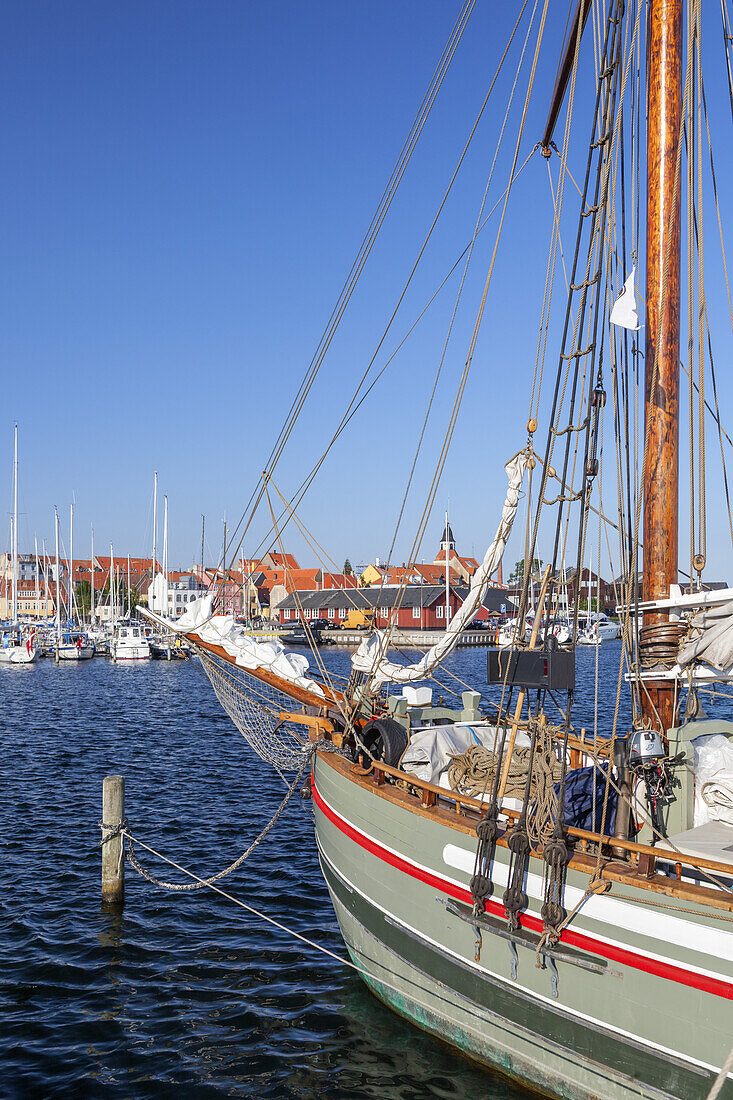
[130,644]
[75,645]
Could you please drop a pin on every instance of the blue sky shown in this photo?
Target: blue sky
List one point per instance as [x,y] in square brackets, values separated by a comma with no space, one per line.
[185,186]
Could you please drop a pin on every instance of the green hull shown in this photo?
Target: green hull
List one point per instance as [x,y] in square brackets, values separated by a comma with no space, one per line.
[631,1014]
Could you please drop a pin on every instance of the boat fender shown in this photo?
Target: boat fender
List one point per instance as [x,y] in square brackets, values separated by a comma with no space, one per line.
[385,739]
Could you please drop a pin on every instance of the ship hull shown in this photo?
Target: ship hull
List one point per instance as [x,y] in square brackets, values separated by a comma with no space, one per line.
[75,652]
[18,655]
[630,1015]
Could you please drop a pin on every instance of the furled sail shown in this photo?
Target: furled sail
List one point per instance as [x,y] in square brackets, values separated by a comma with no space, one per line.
[624,312]
[247,653]
[371,658]
[714,643]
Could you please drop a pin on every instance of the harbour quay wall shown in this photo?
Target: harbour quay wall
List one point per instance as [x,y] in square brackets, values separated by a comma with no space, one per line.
[415,639]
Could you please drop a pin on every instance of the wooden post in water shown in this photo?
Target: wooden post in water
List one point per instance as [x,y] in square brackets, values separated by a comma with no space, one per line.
[662,352]
[113,814]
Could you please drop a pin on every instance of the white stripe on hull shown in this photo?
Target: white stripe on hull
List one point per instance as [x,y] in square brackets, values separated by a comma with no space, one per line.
[515,985]
[620,914]
[466,856]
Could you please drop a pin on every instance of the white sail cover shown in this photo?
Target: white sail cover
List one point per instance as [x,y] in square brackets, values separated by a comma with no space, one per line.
[714,644]
[158,595]
[247,652]
[371,656]
[624,312]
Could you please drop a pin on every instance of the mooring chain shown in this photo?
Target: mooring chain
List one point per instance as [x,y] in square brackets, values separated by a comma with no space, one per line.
[199,884]
[112,830]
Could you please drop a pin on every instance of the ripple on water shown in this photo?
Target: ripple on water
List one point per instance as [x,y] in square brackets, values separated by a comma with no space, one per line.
[182,991]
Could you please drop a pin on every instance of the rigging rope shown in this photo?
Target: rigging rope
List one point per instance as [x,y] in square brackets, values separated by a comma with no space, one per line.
[256,497]
[422,524]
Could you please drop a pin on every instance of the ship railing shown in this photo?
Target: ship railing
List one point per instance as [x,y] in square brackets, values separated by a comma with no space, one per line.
[644,858]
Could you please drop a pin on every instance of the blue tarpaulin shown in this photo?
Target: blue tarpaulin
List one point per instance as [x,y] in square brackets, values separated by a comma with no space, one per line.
[579,800]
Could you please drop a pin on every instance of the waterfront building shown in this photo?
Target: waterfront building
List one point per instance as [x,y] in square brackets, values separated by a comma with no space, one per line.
[26,567]
[413,607]
[37,606]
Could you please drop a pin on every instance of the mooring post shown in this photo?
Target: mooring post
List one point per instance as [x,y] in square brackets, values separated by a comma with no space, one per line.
[113,815]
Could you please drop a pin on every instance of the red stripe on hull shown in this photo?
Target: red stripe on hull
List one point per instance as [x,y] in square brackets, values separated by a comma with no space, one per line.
[576,939]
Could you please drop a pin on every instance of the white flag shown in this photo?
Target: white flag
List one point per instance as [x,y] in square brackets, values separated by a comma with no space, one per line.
[624,308]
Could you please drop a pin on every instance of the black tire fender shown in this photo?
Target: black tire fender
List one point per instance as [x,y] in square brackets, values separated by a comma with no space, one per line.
[385,739]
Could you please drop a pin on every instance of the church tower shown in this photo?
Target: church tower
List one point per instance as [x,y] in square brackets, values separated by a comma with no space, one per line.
[448,542]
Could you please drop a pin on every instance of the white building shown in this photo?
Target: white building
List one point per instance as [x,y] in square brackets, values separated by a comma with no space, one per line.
[172,597]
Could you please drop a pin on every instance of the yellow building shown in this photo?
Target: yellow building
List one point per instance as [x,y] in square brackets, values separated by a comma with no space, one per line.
[372,575]
[28,606]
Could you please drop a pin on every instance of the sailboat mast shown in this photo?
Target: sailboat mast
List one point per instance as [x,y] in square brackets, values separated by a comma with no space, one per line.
[112,586]
[447,567]
[58,579]
[45,580]
[155,519]
[661,471]
[14,566]
[38,580]
[71,564]
[91,601]
[165,554]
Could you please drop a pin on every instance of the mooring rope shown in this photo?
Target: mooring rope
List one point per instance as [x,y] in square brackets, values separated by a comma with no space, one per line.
[369,976]
[722,1077]
[472,772]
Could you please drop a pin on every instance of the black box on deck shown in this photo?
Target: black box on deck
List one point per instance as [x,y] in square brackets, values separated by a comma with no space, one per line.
[535,668]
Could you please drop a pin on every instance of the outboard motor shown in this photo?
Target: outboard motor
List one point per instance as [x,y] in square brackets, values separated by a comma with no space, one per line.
[647,758]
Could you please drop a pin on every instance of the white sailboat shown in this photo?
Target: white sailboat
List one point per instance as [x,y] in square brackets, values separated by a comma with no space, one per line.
[72,643]
[18,643]
[129,642]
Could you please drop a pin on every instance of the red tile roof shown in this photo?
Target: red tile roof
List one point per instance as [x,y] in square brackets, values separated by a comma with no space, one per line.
[421,572]
[285,560]
[339,580]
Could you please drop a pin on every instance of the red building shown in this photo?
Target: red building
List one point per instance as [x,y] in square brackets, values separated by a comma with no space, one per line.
[415,607]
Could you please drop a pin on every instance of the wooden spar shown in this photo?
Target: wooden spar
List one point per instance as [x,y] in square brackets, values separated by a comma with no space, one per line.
[308,698]
[661,474]
[287,687]
[582,11]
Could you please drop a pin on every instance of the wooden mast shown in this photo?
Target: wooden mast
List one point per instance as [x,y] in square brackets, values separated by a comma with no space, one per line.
[664,104]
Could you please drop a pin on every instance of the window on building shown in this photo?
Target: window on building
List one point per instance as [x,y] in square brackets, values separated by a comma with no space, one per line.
[286,613]
[440,611]
[342,613]
[416,612]
[331,612]
[384,612]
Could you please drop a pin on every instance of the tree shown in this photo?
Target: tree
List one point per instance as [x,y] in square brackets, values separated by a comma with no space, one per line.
[594,604]
[347,570]
[83,596]
[516,577]
[124,598]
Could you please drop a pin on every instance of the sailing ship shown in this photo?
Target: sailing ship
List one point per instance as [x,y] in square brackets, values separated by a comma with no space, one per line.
[567,918]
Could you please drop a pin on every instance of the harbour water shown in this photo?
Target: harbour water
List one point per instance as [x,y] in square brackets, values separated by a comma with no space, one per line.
[186,992]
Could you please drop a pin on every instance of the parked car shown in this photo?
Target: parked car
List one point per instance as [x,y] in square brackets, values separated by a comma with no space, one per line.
[319,624]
